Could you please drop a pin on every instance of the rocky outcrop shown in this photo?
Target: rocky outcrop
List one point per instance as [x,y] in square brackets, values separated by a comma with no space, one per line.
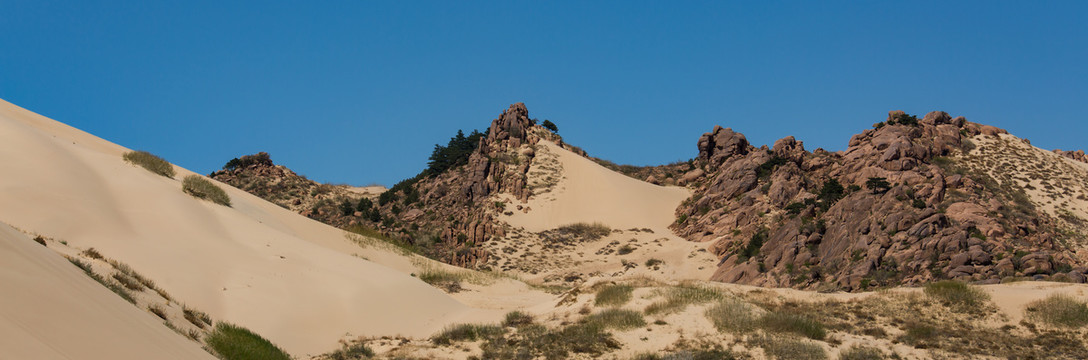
[258,175]
[787,217]
[1074,155]
[720,144]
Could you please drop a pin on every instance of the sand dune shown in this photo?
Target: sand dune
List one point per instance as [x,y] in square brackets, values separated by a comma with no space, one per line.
[51,310]
[289,278]
[589,192]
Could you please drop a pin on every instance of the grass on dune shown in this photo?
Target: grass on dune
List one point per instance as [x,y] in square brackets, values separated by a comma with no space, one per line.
[150,162]
[232,342]
[202,188]
[678,298]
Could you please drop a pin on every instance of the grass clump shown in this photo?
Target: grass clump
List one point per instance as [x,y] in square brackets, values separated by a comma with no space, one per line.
[586,231]
[614,295]
[113,286]
[350,352]
[619,319]
[200,187]
[679,297]
[793,323]
[157,310]
[733,315]
[446,280]
[517,319]
[693,354]
[918,334]
[537,341]
[1058,310]
[790,348]
[957,295]
[128,282]
[150,162]
[466,332]
[858,352]
[232,342]
[196,317]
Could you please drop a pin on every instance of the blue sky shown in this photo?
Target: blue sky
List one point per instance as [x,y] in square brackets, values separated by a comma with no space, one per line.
[359,92]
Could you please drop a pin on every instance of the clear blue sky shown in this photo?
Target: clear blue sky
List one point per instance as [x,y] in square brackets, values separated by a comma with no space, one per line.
[360,91]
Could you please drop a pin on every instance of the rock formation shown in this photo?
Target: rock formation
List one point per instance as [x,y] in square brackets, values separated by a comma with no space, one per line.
[788,217]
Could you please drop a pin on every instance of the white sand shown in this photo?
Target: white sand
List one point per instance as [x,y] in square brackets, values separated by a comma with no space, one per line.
[286,277]
[49,309]
[590,192]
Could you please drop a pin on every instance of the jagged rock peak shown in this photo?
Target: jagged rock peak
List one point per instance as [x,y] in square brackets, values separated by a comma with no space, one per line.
[514,123]
[720,144]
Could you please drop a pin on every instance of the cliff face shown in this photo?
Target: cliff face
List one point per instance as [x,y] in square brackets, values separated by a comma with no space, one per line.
[905,203]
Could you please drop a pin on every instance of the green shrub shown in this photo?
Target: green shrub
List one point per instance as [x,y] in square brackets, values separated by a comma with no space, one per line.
[466,332]
[351,352]
[517,319]
[202,188]
[679,297]
[793,323]
[232,342]
[619,319]
[858,352]
[732,315]
[150,162]
[614,295]
[957,295]
[1059,310]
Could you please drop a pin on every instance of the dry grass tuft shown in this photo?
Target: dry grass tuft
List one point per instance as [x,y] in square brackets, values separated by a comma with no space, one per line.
[202,188]
[150,162]
[1058,310]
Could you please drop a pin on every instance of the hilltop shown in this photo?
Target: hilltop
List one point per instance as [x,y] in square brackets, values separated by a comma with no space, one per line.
[560,256]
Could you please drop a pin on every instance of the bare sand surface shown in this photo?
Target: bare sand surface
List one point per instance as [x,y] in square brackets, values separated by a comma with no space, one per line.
[49,309]
[286,277]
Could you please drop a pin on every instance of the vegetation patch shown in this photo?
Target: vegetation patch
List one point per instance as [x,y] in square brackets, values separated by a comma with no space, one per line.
[200,187]
[196,317]
[619,319]
[782,322]
[232,342]
[466,332]
[575,233]
[1058,310]
[858,352]
[677,298]
[150,162]
[113,286]
[733,315]
[957,295]
[517,319]
[614,295]
[790,348]
[350,352]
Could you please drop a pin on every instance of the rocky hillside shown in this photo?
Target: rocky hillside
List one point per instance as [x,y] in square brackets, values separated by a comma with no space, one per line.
[447,213]
[337,205]
[909,201]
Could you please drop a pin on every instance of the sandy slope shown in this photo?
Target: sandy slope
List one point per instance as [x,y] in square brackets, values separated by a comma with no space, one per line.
[589,192]
[286,277]
[51,310]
